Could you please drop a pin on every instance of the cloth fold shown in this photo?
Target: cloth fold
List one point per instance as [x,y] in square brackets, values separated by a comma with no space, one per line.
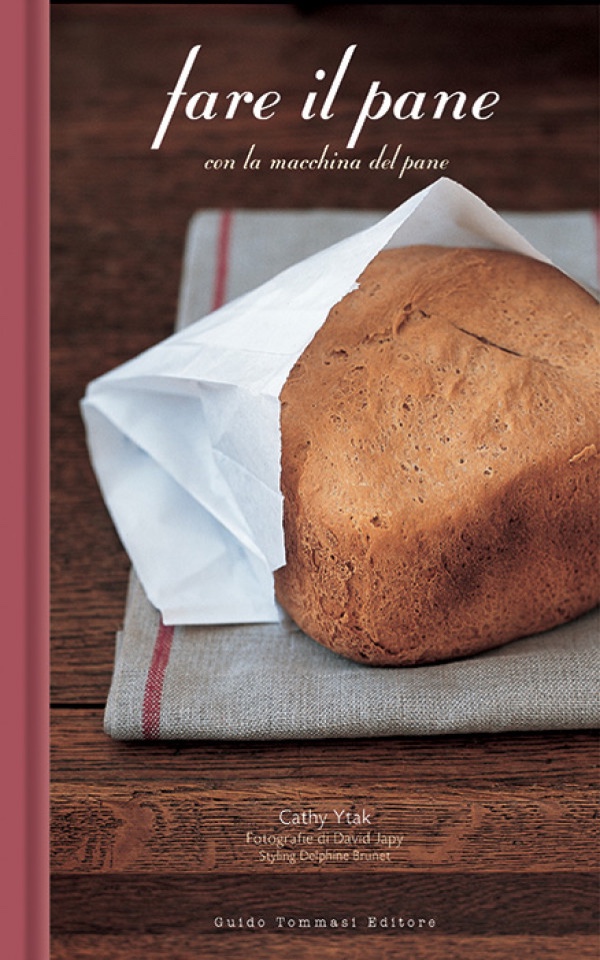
[269,681]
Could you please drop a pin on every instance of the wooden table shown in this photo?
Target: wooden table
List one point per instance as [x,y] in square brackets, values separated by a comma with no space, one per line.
[148,839]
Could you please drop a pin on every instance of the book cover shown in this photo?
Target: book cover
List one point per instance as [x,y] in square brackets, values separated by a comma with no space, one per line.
[196,150]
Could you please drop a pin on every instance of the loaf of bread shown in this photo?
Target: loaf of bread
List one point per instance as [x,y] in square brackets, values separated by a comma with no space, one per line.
[440,459]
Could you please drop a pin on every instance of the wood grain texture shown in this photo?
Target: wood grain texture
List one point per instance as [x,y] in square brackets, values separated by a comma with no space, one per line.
[149,840]
[501,904]
[164,828]
[286,945]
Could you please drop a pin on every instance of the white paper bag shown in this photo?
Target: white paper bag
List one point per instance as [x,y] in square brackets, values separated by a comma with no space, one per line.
[185,438]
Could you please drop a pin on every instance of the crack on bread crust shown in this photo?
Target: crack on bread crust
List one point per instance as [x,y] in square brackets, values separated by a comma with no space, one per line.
[489,343]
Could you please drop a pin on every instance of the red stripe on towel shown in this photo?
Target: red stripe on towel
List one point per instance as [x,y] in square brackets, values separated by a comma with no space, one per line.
[155,682]
[163,643]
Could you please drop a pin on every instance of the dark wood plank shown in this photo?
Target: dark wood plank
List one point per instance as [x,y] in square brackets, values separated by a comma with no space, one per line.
[465,904]
[283,945]
[82,753]
[159,828]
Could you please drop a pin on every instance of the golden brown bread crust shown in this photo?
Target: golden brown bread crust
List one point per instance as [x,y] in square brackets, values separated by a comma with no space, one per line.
[440,465]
